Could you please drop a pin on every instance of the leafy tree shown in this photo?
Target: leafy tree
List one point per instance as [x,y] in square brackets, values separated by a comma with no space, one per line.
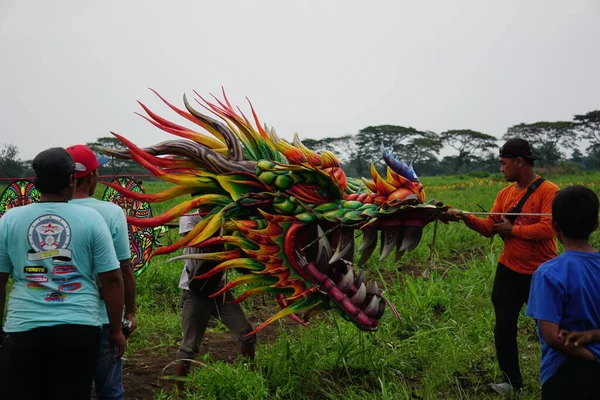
[588,126]
[577,157]
[343,147]
[118,165]
[471,146]
[423,148]
[547,138]
[371,139]
[407,144]
[10,165]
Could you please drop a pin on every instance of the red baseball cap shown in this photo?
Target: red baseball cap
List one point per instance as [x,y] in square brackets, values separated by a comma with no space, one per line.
[85,160]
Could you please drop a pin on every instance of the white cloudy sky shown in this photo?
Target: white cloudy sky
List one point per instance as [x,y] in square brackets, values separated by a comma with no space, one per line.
[71,71]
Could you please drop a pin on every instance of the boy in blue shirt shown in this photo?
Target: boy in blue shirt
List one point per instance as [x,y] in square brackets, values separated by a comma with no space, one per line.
[53,250]
[565,301]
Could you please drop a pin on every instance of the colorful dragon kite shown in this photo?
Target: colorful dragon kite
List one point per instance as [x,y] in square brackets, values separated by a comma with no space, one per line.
[284,214]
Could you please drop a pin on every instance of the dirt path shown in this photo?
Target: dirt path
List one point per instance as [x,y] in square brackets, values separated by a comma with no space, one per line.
[147,370]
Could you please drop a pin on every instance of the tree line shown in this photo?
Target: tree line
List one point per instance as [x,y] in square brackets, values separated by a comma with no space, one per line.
[558,143]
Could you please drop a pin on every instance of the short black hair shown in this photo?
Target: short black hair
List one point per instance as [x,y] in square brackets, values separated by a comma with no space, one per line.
[81,180]
[52,185]
[53,169]
[575,211]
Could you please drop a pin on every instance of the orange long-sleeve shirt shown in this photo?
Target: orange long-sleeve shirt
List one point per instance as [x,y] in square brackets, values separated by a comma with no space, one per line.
[532,241]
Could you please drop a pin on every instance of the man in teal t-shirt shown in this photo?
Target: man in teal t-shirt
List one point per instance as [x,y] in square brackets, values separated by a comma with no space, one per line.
[53,250]
[109,374]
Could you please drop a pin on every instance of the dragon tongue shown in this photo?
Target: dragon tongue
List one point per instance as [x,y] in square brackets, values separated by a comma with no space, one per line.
[344,238]
[324,253]
[388,241]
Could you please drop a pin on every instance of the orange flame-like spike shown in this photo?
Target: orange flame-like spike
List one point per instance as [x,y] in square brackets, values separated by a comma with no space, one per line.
[243,279]
[382,187]
[329,159]
[145,160]
[190,117]
[168,194]
[185,133]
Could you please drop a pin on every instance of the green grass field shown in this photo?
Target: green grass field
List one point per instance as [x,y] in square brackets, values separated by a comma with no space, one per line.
[442,349]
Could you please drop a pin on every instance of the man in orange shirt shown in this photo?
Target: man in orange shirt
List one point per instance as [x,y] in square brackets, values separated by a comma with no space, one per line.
[528,242]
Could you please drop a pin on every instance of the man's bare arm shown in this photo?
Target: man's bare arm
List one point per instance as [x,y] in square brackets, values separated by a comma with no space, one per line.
[3,280]
[550,332]
[112,283]
[129,287]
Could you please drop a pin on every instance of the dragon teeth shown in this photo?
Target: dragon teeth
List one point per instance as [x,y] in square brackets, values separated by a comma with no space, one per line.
[346,282]
[412,237]
[324,253]
[399,240]
[388,241]
[373,307]
[360,279]
[369,238]
[373,288]
[345,242]
[301,258]
[359,296]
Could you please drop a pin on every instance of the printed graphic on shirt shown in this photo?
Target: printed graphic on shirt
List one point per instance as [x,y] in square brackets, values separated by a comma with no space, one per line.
[49,237]
[64,269]
[54,297]
[63,279]
[35,285]
[37,278]
[69,287]
[35,270]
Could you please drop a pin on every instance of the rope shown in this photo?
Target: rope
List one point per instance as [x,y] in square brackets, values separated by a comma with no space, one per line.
[506,213]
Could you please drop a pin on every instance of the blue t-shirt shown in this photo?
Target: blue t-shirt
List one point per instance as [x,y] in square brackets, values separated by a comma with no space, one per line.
[566,291]
[53,251]
[117,225]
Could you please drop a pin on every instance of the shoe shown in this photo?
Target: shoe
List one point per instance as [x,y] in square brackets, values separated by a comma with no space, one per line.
[506,388]
[248,352]
[182,368]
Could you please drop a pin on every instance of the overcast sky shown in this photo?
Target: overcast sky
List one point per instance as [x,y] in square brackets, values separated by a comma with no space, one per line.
[71,71]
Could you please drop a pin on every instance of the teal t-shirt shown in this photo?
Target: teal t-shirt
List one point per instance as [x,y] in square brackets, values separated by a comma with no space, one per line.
[117,225]
[53,252]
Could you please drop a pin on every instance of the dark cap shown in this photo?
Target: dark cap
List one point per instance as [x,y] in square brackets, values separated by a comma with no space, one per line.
[53,163]
[514,148]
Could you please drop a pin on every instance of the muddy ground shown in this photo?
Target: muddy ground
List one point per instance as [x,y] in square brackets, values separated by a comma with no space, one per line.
[148,370]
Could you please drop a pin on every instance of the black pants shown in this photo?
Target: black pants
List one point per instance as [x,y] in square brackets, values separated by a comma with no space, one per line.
[575,379]
[510,292]
[49,363]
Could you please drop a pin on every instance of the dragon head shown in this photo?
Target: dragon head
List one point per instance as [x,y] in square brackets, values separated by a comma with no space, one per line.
[280,212]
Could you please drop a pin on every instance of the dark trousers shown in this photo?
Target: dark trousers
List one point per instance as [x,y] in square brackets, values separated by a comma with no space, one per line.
[510,292]
[197,311]
[575,379]
[49,363]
